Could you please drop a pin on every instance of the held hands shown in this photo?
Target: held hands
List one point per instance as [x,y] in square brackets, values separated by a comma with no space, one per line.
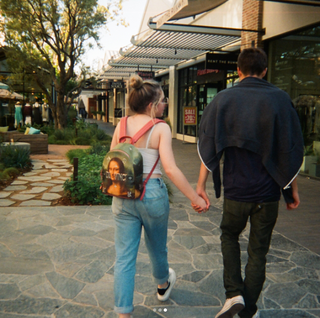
[202,203]
[197,205]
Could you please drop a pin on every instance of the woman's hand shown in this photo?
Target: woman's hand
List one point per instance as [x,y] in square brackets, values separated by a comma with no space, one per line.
[200,205]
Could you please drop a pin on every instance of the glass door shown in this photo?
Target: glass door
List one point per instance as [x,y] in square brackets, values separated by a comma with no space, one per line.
[206,94]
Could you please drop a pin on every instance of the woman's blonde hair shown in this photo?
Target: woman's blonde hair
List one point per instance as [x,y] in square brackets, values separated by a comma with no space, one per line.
[143,93]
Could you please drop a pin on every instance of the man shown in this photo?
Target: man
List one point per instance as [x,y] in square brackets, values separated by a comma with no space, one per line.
[256,127]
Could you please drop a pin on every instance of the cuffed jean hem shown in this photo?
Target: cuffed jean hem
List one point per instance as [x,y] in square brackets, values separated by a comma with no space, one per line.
[161,281]
[123,310]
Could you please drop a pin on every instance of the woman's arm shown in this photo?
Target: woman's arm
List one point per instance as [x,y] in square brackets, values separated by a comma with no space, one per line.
[173,172]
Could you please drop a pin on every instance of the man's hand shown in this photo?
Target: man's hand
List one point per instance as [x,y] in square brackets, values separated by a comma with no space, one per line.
[295,195]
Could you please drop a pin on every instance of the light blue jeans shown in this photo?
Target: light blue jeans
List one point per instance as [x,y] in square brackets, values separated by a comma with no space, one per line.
[130,215]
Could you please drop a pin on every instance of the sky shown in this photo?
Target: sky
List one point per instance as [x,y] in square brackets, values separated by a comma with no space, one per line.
[117,36]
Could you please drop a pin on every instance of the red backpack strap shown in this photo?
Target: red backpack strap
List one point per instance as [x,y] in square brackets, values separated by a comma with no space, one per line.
[135,138]
[145,128]
[147,179]
[123,129]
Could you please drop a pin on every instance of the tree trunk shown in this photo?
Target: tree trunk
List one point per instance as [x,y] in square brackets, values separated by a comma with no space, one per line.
[61,112]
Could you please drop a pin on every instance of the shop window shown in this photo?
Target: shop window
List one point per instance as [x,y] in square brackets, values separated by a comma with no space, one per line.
[295,68]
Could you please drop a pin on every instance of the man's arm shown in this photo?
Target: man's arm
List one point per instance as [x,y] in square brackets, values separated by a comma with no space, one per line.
[201,186]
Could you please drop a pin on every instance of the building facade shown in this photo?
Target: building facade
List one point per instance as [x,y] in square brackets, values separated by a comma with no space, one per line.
[192,52]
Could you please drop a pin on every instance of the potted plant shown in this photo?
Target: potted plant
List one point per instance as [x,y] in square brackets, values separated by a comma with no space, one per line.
[94,114]
[309,158]
[103,115]
[99,115]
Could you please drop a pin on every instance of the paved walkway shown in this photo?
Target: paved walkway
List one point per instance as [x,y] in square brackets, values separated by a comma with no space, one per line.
[58,261]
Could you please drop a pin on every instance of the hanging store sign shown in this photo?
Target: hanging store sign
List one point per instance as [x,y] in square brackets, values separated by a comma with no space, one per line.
[221,61]
[190,115]
[117,85]
[206,71]
[145,75]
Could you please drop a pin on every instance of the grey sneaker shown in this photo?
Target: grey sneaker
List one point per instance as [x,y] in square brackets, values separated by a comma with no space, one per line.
[163,294]
[231,307]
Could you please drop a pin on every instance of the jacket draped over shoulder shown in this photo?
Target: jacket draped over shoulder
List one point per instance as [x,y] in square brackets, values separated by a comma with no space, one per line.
[257,116]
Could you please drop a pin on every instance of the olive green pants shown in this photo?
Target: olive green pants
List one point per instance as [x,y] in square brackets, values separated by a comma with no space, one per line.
[263,217]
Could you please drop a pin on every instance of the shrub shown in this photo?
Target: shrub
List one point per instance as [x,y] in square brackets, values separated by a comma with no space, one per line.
[14,157]
[7,173]
[101,135]
[12,172]
[4,176]
[99,149]
[76,153]
[87,189]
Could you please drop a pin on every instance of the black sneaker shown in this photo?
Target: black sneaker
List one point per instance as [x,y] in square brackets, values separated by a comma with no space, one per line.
[164,293]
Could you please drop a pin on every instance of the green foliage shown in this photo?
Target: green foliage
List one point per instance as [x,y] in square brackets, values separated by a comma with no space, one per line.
[308,151]
[72,114]
[4,176]
[46,39]
[76,153]
[82,134]
[14,157]
[7,173]
[87,189]
[99,149]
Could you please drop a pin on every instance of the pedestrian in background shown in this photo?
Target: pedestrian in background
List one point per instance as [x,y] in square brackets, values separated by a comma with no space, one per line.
[146,101]
[257,129]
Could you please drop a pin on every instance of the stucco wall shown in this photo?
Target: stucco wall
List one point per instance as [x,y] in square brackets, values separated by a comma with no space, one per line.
[228,15]
[280,18]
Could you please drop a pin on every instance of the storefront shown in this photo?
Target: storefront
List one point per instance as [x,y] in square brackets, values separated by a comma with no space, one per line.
[198,85]
[294,64]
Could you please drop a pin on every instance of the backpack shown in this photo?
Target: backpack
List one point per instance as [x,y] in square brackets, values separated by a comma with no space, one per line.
[122,167]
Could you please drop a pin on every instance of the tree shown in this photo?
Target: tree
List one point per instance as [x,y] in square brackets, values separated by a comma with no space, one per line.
[46,38]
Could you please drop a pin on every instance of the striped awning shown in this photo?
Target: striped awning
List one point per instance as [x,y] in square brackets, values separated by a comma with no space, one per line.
[171,44]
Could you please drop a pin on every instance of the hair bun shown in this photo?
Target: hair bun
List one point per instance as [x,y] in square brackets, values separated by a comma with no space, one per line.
[136,82]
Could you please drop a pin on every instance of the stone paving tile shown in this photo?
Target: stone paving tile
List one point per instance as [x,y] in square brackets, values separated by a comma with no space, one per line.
[35,190]
[6,202]
[4,194]
[15,188]
[59,262]
[44,182]
[22,197]
[35,203]
[17,182]
[50,196]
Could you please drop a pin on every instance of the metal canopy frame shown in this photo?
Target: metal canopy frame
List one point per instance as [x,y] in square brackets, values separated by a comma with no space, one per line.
[314,3]
[171,44]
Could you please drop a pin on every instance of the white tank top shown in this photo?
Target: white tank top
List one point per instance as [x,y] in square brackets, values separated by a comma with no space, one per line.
[150,156]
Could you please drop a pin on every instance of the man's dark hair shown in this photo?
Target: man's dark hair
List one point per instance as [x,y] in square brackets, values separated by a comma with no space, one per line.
[252,61]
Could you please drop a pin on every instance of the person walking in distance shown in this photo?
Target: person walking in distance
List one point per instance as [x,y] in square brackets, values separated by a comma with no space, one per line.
[152,212]
[257,129]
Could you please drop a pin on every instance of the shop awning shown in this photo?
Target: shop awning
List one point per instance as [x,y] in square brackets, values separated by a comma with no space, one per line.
[315,3]
[124,71]
[186,8]
[171,44]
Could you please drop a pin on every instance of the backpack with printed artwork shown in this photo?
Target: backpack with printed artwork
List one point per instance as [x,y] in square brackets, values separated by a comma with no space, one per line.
[122,167]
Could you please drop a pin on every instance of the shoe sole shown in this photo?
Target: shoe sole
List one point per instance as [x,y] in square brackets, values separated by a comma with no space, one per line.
[167,294]
[232,311]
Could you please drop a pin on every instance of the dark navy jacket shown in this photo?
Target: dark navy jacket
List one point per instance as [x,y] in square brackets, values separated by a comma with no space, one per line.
[257,116]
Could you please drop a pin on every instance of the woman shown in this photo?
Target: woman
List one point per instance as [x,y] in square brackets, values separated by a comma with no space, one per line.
[145,100]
